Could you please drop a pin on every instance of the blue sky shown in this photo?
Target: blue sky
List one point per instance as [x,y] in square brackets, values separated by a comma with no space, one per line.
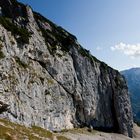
[110,29]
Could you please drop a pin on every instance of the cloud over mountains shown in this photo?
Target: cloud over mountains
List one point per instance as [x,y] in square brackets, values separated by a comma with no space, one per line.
[132,50]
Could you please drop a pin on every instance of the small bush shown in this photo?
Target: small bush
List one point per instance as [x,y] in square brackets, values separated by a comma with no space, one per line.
[104,67]
[1,55]
[22,64]
[24,35]
[84,52]
[62,138]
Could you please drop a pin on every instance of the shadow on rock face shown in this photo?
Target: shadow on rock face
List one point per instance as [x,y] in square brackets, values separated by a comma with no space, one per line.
[3,107]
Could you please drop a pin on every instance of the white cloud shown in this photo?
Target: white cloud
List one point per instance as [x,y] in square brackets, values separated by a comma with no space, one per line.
[98,48]
[132,50]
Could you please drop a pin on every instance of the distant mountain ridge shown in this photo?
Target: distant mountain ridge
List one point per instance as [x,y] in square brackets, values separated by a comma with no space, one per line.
[133,80]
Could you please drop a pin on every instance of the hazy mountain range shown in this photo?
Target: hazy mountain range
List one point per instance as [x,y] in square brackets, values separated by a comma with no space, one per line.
[133,80]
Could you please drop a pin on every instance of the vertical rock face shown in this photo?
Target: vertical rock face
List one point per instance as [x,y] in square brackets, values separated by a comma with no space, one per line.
[49,80]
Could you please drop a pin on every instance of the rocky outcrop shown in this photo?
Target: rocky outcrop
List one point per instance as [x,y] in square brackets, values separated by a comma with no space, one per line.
[49,80]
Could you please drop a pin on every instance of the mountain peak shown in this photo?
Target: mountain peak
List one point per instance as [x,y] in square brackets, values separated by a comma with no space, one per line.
[135,71]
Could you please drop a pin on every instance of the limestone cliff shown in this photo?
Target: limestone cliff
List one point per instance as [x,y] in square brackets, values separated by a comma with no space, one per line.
[49,80]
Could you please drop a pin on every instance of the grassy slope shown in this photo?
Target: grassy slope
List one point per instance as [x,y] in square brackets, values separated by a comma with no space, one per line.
[12,131]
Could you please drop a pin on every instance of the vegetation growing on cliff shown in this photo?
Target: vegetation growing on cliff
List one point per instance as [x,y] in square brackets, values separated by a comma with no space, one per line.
[57,36]
[21,63]
[1,55]
[22,33]
[1,52]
